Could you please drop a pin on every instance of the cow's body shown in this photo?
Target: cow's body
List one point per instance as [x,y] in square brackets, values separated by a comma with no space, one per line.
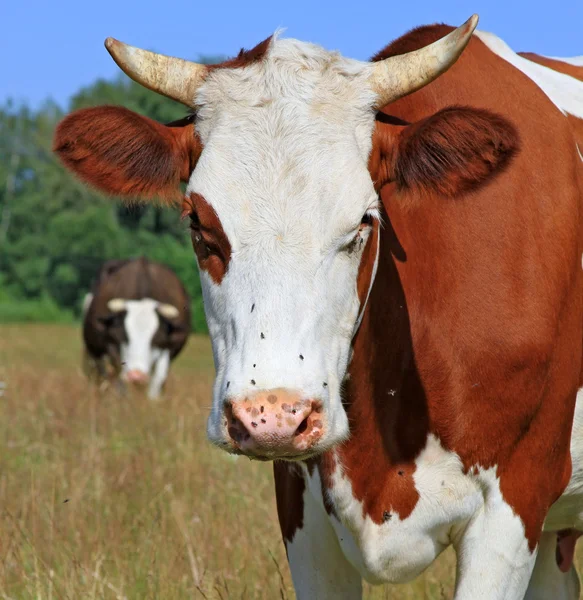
[464,367]
[124,332]
[432,402]
[554,575]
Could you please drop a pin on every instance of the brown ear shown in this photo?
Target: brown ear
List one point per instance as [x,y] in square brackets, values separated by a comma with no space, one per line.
[456,150]
[124,154]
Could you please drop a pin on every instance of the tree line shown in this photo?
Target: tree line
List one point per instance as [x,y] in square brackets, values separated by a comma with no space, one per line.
[55,232]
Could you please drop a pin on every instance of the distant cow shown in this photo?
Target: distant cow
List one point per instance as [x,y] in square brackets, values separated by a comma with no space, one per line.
[136,319]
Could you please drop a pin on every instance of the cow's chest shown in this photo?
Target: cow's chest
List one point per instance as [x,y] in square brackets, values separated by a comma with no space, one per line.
[392,529]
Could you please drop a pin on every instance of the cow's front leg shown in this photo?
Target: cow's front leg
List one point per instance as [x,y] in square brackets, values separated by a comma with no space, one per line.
[318,566]
[494,561]
[159,375]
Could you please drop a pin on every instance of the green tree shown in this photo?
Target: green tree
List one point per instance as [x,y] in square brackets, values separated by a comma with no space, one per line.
[55,232]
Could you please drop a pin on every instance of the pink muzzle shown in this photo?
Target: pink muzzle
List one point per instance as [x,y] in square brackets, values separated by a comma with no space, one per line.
[274,423]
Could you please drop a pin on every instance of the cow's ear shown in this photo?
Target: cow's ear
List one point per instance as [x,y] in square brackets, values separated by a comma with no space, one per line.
[456,150]
[125,154]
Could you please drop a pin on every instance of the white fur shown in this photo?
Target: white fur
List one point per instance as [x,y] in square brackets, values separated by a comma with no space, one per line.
[318,565]
[494,560]
[564,91]
[453,507]
[137,354]
[286,143]
[577,61]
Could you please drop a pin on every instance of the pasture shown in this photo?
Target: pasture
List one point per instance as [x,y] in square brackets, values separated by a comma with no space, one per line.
[102,497]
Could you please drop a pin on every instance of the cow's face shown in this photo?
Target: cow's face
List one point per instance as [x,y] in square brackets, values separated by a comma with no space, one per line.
[282,207]
[283,160]
[140,329]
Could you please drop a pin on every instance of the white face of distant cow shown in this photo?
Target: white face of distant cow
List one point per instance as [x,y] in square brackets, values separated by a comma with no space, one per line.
[284,216]
[284,167]
[138,326]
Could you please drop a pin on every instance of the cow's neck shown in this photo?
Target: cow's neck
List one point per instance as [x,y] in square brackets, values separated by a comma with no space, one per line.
[384,397]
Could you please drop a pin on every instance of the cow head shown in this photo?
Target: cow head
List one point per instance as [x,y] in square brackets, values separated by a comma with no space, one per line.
[282,198]
[141,330]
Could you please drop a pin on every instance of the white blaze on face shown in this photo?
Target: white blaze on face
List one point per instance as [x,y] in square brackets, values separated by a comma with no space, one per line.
[286,143]
[141,323]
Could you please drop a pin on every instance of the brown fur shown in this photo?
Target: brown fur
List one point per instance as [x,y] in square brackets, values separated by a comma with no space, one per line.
[473,329]
[245,57]
[210,243]
[557,65]
[124,154]
[289,487]
[452,152]
[566,69]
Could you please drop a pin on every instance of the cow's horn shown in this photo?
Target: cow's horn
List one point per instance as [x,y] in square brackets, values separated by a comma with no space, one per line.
[172,77]
[400,75]
[168,311]
[116,305]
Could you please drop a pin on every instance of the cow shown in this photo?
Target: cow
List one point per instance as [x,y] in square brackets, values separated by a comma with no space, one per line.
[136,320]
[390,255]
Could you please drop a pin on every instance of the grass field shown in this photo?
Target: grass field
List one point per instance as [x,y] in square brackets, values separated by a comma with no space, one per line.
[111,498]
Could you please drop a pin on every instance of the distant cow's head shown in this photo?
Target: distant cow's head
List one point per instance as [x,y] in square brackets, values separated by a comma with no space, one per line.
[283,167]
[141,331]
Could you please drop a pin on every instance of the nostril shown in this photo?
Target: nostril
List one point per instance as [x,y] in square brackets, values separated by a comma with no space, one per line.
[235,428]
[302,427]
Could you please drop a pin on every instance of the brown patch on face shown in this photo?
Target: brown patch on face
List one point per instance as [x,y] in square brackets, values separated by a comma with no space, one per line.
[272,399]
[210,243]
[245,57]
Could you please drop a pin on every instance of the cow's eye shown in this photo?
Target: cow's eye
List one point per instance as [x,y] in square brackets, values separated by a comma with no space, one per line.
[194,221]
[358,240]
[201,247]
[367,219]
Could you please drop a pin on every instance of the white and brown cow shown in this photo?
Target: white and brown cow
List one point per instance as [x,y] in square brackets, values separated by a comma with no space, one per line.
[136,320]
[391,266]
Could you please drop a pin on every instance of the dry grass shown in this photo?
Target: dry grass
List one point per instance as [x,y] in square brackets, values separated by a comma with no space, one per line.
[111,498]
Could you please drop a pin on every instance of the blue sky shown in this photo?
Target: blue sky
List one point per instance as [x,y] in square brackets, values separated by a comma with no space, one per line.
[51,48]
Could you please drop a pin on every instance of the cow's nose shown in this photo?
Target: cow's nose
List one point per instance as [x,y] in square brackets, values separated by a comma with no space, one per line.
[137,377]
[274,423]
